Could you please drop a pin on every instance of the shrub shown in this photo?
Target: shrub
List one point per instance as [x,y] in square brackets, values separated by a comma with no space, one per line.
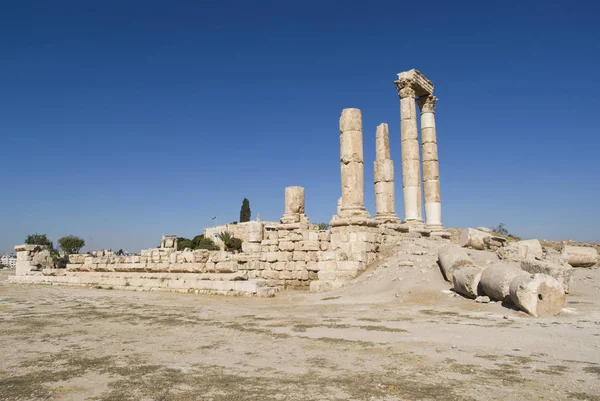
[71,244]
[234,244]
[183,243]
[207,243]
[39,239]
[225,236]
[323,226]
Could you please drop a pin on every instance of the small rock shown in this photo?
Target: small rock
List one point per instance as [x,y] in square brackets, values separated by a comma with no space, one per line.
[482,300]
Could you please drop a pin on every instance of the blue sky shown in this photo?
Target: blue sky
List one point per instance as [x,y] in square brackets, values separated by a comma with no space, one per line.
[123,121]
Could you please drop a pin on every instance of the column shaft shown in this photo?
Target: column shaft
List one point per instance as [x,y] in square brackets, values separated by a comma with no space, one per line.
[411,169]
[384,178]
[431,170]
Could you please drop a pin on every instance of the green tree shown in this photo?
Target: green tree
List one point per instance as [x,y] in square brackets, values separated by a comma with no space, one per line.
[323,226]
[196,240]
[39,239]
[183,243]
[245,211]
[234,244]
[207,243]
[71,244]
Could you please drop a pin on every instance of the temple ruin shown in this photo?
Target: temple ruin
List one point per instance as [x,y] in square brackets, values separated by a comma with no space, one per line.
[292,253]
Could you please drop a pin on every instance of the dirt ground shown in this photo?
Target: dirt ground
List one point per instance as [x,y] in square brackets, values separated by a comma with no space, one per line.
[396,334]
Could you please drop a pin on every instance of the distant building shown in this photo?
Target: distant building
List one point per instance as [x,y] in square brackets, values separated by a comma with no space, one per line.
[238,230]
[8,260]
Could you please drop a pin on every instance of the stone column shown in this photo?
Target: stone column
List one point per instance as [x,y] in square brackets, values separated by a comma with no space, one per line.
[411,166]
[384,178]
[294,206]
[431,169]
[352,167]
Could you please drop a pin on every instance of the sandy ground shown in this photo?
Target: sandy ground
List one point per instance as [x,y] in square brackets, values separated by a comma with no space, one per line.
[397,334]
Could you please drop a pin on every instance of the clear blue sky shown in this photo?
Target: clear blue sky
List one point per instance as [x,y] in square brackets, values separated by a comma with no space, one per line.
[121,121]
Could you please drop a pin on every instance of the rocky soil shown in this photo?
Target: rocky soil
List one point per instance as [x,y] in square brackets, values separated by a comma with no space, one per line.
[397,333]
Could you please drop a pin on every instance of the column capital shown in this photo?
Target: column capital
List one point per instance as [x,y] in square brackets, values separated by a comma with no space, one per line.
[427,103]
[405,87]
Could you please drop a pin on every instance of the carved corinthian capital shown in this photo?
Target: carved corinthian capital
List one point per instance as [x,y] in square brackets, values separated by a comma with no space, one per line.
[405,87]
[427,103]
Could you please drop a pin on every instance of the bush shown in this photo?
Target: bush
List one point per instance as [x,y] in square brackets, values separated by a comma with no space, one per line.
[60,262]
[71,244]
[183,243]
[323,226]
[234,244]
[206,243]
[39,239]
[501,229]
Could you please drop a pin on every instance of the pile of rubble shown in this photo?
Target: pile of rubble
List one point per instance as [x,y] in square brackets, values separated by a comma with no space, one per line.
[534,279]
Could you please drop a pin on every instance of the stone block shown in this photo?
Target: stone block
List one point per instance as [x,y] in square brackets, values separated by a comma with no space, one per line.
[226,267]
[324,246]
[286,246]
[452,257]
[563,273]
[299,255]
[580,256]
[308,246]
[538,294]
[521,250]
[280,266]
[495,281]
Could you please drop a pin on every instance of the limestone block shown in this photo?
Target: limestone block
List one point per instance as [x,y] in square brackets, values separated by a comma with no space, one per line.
[254,231]
[476,239]
[337,276]
[286,246]
[296,236]
[382,142]
[312,256]
[562,272]
[496,279]
[273,235]
[211,267]
[466,281]
[539,295]
[299,255]
[294,200]
[226,267]
[77,258]
[351,120]
[325,235]
[384,171]
[312,266]
[271,256]
[284,256]
[286,275]
[270,274]
[308,246]
[269,242]
[43,260]
[313,236]
[452,257]
[580,256]
[279,266]
[521,250]
[324,246]
[250,247]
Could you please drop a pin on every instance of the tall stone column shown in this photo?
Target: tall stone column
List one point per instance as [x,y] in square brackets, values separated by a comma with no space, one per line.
[384,178]
[411,166]
[294,206]
[431,169]
[352,168]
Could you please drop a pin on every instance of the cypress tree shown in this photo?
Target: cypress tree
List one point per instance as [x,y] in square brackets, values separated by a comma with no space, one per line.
[245,211]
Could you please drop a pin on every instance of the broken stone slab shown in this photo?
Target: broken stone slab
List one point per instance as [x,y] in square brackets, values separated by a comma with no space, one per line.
[580,256]
[539,295]
[466,281]
[43,260]
[563,273]
[452,257]
[521,250]
[495,281]
[483,299]
[476,239]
